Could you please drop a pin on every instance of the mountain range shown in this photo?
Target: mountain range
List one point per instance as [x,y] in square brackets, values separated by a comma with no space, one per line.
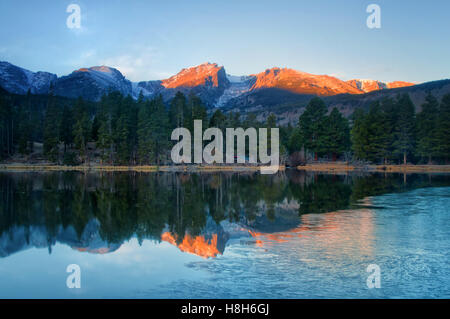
[278,90]
[207,80]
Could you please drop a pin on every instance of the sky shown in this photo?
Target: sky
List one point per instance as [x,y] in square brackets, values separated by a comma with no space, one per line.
[150,40]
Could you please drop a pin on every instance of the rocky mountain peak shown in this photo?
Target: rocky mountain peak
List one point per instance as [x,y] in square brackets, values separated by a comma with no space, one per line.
[18,80]
[302,83]
[206,74]
[367,85]
[398,84]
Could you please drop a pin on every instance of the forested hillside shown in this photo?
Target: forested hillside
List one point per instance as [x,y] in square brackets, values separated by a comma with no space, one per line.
[119,130]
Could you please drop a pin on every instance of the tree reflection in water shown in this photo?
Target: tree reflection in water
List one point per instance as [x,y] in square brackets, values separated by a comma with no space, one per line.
[199,213]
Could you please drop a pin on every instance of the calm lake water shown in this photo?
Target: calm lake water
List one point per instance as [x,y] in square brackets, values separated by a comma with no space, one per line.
[161,235]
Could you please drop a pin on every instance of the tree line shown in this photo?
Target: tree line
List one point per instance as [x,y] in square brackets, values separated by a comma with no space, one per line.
[389,132]
[119,130]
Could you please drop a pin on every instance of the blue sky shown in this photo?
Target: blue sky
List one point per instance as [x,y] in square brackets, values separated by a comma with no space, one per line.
[149,40]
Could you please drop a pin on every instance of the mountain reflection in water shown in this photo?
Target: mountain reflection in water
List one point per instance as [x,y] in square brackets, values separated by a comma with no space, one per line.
[198,213]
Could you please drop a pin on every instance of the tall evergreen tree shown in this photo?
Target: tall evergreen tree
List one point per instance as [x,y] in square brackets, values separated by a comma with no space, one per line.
[178,111]
[95,128]
[197,111]
[427,128]
[389,108]
[312,125]
[125,136]
[443,129]
[104,138]
[359,133]
[81,133]
[144,133]
[66,127]
[404,143]
[285,135]
[379,137]
[218,119]
[296,141]
[51,130]
[271,122]
[133,118]
[25,130]
[121,138]
[159,128]
[81,128]
[337,134]
[370,136]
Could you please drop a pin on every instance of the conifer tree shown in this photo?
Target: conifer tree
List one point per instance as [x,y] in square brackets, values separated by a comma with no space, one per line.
[218,119]
[370,136]
[6,128]
[198,110]
[95,128]
[66,127]
[144,133]
[126,134]
[25,128]
[121,138]
[389,108]
[285,135]
[81,133]
[178,111]
[443,129]
[81,128]
[159,128]
[51,130]
[271,122]
[337,134]
[378,138]
[312,125]
[104,138]
[404,130]
[427,128]
[359,133]
[296,141]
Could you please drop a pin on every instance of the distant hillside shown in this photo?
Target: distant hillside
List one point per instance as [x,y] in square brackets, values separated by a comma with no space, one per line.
[288,106]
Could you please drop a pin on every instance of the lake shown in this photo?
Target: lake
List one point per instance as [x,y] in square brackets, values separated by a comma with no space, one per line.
[295,234]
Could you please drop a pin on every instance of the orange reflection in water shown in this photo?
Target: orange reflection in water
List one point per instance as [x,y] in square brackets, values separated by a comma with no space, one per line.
[341,233]
[197,245]
[338,232]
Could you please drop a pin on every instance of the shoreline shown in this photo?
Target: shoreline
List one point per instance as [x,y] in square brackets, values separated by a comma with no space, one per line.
[313,167]
[135,168]
[372,168]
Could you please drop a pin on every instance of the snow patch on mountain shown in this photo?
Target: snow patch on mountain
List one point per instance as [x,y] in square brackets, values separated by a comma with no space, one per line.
[92,83]
[368,85]
[238,86]
[18,80]
[239,79]
[147,88]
